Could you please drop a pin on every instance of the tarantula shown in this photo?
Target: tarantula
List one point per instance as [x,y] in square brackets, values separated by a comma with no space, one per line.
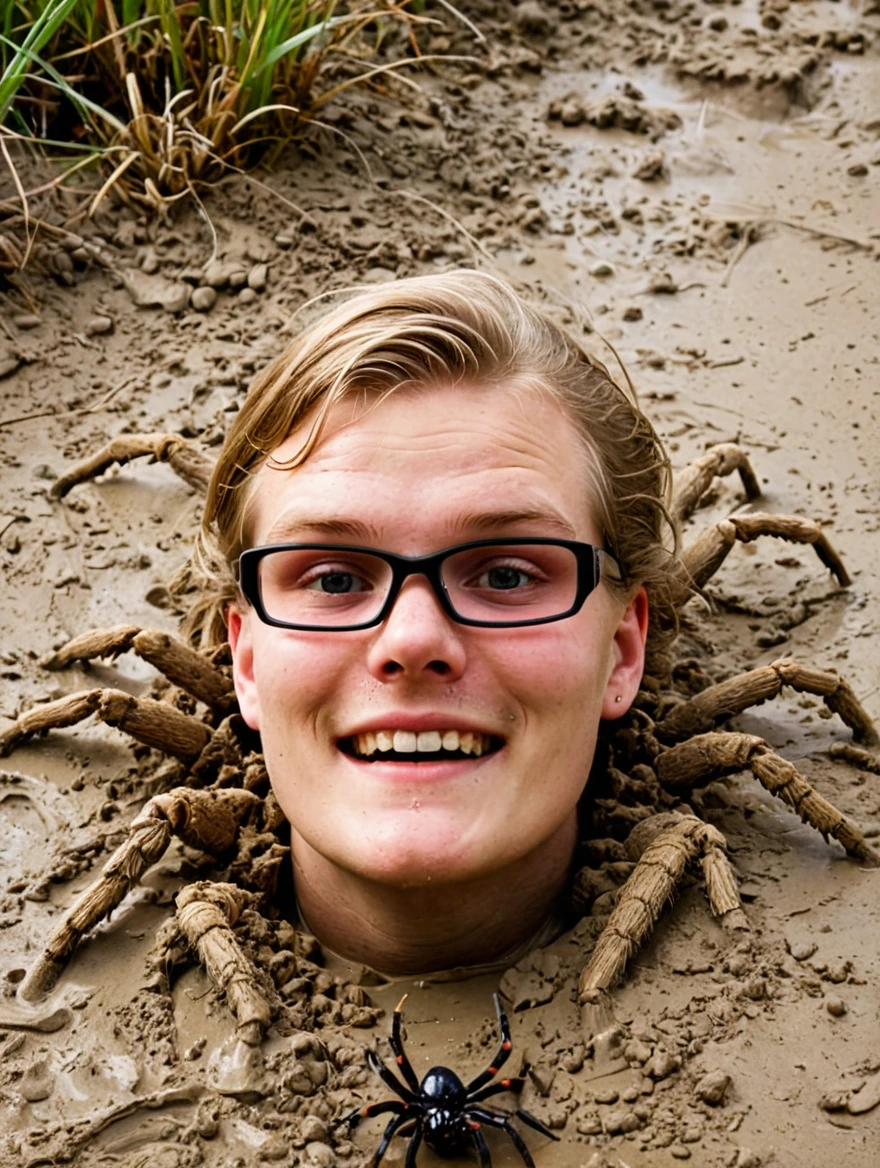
[441,1110]
[221,803]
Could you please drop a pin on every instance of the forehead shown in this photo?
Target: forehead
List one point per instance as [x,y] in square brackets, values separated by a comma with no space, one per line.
[429,461]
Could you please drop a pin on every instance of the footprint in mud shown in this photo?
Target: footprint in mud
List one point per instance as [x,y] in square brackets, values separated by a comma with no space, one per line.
[34,815]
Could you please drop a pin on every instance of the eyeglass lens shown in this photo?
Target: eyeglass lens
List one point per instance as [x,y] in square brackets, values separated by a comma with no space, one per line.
[326,587]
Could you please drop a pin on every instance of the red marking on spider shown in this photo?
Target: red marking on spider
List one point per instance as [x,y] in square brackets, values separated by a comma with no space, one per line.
[472,1123]
[506,1045]
[400,1060]
[493,1070]
[505,1082]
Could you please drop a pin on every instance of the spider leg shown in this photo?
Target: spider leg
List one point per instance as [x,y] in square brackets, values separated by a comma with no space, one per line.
[680,840]
[533,1121]
[154,723]
[182,665]
[702,559]
[719,702]
[370,1109]
[481,1145]
[206,913]
[389,1079]
[693,482]
[505,1122]
[709,756]
[387,1136]
[503,1050]
[496,1089]
[208,820]
[397,1047]
[413,1147]
[183,457]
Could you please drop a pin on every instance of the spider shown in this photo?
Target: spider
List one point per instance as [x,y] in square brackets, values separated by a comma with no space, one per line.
[441,1110]
[641,841]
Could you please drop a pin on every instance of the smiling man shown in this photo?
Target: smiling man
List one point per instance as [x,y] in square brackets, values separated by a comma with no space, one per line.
[443,517]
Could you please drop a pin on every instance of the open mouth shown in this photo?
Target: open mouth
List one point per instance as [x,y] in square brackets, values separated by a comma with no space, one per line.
[424,746]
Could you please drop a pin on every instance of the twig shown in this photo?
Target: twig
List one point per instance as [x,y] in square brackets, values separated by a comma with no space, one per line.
[725,362]
[464,19]
[750,237]
[91,409]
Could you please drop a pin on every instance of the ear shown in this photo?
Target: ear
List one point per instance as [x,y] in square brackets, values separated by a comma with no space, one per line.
[242,648]
[629,657]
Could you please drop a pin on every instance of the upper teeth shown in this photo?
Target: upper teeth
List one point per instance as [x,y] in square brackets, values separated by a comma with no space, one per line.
[425,742]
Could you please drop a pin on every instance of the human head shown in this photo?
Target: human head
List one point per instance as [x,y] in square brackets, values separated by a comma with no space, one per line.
[449,327]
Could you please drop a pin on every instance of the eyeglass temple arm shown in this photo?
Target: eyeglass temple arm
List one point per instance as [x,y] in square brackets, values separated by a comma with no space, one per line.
[608,566]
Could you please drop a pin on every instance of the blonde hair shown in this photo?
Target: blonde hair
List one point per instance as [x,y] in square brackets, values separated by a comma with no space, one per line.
[430,330]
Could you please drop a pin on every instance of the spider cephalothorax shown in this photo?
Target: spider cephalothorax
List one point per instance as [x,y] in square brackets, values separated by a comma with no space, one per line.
[642,838]
[440,1110]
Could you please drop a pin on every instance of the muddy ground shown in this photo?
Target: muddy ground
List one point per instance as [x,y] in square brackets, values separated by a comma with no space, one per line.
[694,184]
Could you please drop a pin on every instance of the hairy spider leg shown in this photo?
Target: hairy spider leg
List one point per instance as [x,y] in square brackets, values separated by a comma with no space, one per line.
[496,1089]
[503,1051]
[481,1145]
[499,1119]
[389,1078]
[397,1047]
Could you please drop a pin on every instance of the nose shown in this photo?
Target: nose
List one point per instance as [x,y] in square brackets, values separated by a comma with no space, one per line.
[417,637]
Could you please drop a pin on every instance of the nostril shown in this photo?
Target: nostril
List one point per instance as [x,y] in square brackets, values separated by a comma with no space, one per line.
[439,667]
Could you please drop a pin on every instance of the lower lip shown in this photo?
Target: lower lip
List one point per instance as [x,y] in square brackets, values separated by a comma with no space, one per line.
[420,772]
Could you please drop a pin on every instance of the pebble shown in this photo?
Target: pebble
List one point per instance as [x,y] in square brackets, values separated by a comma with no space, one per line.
[866,1098]
[96,326]
[155,291]
[258,276]
[633,312]
[572,112]
[609,1095]
[662,1064]
[246,296]
[602,270]
[802,951]
[712,1087]
[204,298]
[679,1152]
[532,18]
[26,320]
[620,1120]
[320,1154]
[835,1006]
[274,1148]
[636,1051]
[834,1101]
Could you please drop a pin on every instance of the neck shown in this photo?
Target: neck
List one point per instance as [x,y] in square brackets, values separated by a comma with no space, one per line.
[409,931]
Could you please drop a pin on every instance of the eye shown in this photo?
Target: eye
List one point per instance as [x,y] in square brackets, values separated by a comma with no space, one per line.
[335,582]
[503,578]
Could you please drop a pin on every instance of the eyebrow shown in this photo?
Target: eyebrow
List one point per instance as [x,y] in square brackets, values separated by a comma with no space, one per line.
[350,527]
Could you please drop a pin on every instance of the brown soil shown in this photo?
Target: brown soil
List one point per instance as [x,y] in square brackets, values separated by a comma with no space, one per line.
[694,184]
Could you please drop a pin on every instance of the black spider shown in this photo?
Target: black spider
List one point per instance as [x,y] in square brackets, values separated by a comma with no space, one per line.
[441,1110]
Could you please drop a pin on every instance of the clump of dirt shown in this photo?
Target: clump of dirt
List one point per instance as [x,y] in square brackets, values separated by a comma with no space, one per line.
[685,185]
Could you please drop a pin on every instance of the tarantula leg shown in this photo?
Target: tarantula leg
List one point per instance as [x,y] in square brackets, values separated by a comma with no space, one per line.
[693,482]
[866,759]
[705,555]
[652,884]
[185,459]
[182,666]
[208,820]
[710,756]
[154,723]
[703,711]
[206,913]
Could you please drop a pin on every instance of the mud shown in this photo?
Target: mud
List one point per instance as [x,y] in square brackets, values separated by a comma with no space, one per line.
[693,188]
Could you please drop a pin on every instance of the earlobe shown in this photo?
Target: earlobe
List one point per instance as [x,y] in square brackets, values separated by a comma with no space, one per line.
[629,657]
[242,648]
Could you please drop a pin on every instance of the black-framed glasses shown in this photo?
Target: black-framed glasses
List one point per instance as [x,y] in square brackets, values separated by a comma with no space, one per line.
[491,583]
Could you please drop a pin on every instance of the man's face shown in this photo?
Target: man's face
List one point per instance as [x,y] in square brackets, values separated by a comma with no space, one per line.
[417,473]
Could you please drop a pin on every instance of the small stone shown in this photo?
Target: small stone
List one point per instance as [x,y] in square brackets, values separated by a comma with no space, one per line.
[208,1128]
[246,296]
[96,326]
[679,1152]
[633,312]
[533,19]
[274,1148]
[712,1087]
[636,1051]
[258,276]
[857,170]
[662,1064]
[746,1158]
[802,951]
[620,1121]
[572,112]
[609,1095]
[834,1101]
[866,1098]
[155,291]
[204,298]
[652,167]
[835,1006]
[602,270]
[236,277]
[320,1154]
[26,320]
